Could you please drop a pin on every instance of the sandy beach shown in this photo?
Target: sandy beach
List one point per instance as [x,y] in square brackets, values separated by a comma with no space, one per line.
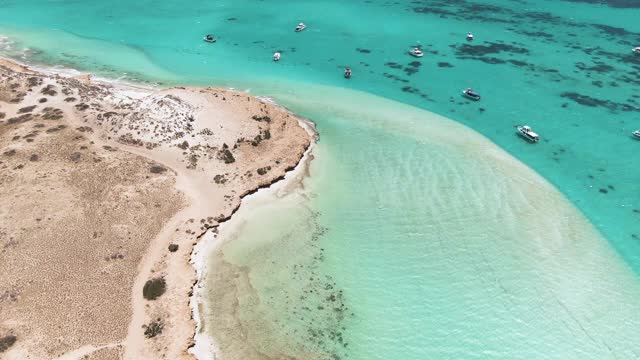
[105,190]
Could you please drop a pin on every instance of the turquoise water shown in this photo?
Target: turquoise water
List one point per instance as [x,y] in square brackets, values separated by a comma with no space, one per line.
[565,68]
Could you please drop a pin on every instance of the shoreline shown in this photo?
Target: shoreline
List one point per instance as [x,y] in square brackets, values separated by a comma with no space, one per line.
[196,189]
[67,72]
[205,347]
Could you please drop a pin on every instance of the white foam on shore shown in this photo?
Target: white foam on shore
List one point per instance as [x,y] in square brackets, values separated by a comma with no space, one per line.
[124,87]
[204,347]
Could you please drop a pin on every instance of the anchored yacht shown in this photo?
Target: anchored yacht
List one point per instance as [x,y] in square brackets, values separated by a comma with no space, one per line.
[469,93]
[416,52]
[526,132]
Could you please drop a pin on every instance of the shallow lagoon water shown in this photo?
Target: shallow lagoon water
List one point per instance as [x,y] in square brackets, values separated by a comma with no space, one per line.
[387,202]
[418,239]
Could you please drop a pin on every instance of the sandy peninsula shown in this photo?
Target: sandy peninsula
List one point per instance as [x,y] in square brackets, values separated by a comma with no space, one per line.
[104,191]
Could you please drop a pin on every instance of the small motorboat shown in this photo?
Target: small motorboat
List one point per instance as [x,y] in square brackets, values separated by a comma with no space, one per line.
[526,132]
[469,37]
[300,27]
[210,39]
[469,93]
[347,73]
[636,49]
[416,52]
[276,56]
[636,134]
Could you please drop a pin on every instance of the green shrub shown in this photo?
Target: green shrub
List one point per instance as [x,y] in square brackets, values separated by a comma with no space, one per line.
[154,288]
[6,342]
[227,156]
[157,169]
[153,329]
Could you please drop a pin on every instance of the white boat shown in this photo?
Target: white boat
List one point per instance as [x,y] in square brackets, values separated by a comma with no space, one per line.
[526,132]
[636,134]
[469,37]
[210,39]
[300,27]
[416,52]
[636,49]
[347,73]
[469,93]
[276,56]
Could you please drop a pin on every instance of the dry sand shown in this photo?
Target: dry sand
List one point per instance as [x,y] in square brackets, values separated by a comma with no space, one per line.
[96,181]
